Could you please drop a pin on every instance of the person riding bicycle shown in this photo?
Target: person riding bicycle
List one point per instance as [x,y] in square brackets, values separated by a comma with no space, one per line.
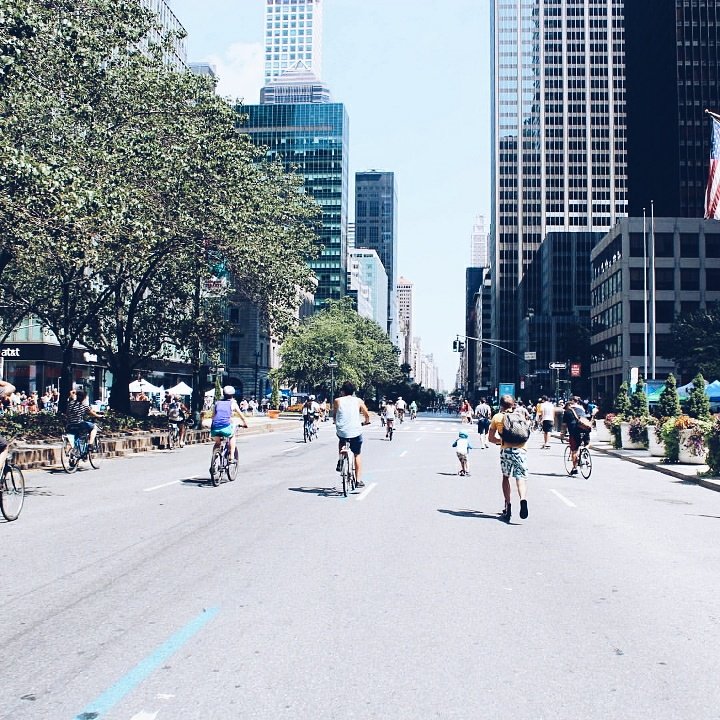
[577,436]
[348,426]
[381,412]
[223,424]
[400,406]
[177,414]
[6,388]
[390,414]
[311,413]
[77,413]
[413,410]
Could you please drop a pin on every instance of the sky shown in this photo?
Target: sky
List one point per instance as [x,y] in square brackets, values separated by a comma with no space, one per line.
[415,78]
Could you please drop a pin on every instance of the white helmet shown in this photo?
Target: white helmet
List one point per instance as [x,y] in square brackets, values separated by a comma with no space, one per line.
[312,397]
[228,390]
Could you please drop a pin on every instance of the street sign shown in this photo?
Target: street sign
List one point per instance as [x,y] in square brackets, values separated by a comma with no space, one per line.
[558,366]
[575,370]
[507,389]
[530,356]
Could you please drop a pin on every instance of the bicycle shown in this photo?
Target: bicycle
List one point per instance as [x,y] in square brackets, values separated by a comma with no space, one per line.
[12,490]
[390,429]
[220,463]
[173,435]
[76,448]
[310,432]
[347,470]
[584,461]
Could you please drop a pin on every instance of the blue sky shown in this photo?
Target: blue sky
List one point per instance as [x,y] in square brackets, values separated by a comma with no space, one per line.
[415,77]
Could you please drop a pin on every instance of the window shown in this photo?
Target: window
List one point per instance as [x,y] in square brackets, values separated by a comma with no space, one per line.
[690,279]
[637,279]
[712,246]
[664,245]
[637,245]
[637,311]
[664,278]
[637,344]
[688,306]
[712,279]
[664,311]
[689,246]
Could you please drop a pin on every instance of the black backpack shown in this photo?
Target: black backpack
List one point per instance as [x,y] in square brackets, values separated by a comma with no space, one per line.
[516,428]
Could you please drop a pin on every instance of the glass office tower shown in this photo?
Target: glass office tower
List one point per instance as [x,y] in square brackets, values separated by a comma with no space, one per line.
[558,135]
[313,139]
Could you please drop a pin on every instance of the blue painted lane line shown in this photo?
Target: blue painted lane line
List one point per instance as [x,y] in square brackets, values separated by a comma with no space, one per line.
[112,696]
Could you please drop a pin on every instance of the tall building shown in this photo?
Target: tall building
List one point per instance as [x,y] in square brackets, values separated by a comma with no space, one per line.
[376,229]
[169,26]
[205,69]
[559,144]
[479,244]
[293,32]
[312,138]
[370,273]
[405,317]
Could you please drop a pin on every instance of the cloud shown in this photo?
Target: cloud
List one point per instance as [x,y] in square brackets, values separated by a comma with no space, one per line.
[241,71]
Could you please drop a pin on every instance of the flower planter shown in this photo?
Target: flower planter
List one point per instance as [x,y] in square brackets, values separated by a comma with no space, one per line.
[273,414]
[601,432]
[656,447]
[685,455]
[628,444]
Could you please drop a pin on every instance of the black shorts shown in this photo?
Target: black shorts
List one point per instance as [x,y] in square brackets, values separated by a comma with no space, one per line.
[355,444]
[483,425]
[547,425]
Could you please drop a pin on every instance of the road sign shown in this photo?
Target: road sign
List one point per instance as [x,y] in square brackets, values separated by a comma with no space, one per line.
[507,389]
[558,366]
[530,356]
[575,370]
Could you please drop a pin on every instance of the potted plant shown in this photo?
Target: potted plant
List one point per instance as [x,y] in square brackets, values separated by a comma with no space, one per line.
[712,439]
[656,444]
[633,433]
[668,408]
[274,411]
[684,438]
[633,429]
[603,428]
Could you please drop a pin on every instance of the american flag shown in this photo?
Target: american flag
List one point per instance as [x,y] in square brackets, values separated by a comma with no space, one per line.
[712,194]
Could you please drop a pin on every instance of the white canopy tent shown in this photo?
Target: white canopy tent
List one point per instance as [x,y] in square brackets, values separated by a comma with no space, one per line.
[143,386]
[180,389]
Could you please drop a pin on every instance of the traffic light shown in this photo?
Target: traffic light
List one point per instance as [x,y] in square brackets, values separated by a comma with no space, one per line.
[461,347]
[456,343]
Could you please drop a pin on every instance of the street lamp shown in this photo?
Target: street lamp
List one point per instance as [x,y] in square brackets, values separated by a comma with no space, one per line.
[256,391]
[332,364]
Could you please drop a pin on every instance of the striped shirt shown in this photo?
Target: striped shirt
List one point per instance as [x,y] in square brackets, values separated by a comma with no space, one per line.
[75,412]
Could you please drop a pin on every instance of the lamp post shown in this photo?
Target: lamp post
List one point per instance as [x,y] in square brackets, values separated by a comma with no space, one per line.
[256,391]
[332,364]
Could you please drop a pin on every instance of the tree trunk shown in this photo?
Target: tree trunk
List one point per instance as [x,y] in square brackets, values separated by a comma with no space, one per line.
[66,378]
[120,391]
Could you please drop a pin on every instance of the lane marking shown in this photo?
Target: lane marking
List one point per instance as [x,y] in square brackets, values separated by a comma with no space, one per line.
[143,715]
[418,439]
[403,453]
[366,492]
[167,484]
[113,695]
[569,503]
[290,449]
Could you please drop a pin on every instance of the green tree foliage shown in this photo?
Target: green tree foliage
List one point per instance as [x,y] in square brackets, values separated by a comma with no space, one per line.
[695,342]
[638,400]
[698,404]
[622,401]
[669,404]
[362,350]
[128,191]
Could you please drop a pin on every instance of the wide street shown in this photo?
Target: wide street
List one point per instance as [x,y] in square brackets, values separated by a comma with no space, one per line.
[140,592]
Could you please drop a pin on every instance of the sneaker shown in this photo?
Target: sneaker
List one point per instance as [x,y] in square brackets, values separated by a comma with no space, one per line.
[359,483]
[338,467]
[523,509]
[574,471]
[506,513]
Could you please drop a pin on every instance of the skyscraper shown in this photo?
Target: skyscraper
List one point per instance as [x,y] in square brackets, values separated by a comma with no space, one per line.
[559,134]
[405,316]
[376,229]
[293,32]
[176,53]
[479,244]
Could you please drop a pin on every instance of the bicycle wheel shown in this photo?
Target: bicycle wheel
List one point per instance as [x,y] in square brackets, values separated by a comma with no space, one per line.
[173,437]
[345,473]
[93,457]
[231,470]
[216,466]
[567,457]
[390,433]
[585,462]
[12,495]
[70,458]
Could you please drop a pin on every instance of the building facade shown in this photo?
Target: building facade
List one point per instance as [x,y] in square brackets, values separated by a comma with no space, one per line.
[685,254]
[376,223]
[293,32]
[371,274]
[559,144]
[169,26]
[479,244]
[405,318]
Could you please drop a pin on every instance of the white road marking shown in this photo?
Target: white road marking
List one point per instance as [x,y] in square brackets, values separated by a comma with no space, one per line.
[403,453]
[167,484]
[366,491]
[418,439]
[290,449]
[569,503]
[166,696]
[145,715]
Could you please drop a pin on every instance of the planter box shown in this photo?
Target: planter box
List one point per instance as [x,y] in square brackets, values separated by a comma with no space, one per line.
[627,444]
[656,447]
[685,456]
[601,432]
[273,414]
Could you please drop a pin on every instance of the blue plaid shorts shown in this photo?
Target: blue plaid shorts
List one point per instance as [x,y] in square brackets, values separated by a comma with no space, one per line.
[513,462]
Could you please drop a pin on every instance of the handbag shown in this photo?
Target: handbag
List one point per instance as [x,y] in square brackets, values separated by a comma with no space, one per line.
[583,423]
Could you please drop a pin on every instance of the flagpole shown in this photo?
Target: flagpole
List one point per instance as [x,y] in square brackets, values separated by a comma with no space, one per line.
[645,297]
[653,347]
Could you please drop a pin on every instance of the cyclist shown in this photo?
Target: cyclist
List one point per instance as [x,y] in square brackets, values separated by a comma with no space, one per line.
[177,415]
[390,413]
[413,410]
[576,435]
[223,420]
[311,413]
[400,406]
[6,389]
[77,413]
[381,411]
[346,414]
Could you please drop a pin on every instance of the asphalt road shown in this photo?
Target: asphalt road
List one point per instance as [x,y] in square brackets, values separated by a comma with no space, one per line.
[140,592]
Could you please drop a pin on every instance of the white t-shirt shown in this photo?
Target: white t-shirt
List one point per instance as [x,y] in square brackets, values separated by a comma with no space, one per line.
[389,411]
[347,418]
[548,411]
[401,404]
[462,445]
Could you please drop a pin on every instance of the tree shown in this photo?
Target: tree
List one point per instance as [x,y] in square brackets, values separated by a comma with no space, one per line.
[698,403]
[695,341]
[669,404]
[639,401]
[361,348]
[622,401]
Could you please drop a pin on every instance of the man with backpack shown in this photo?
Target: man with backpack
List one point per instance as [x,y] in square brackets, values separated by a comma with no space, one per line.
[511,430]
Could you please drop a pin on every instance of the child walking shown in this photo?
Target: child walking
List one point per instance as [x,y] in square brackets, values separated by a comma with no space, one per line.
[462,448]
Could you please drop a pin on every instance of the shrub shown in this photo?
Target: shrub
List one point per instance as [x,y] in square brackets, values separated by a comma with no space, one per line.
[622,401]
[698,402]
[695,442]
[639,401]
[712,439]
[669,404]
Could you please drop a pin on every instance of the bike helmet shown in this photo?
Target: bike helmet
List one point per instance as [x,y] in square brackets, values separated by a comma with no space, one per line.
[463,435]
[229,390]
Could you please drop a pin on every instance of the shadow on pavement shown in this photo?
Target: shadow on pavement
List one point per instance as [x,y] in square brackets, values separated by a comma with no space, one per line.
[472,514]
[320,492]
[197,482]
[41,492]
[561,474]
[449,474]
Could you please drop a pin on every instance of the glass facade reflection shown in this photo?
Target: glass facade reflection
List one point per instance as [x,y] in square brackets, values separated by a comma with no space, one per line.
[313,139]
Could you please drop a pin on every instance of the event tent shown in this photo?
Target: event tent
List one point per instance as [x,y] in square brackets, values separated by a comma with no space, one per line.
[143,386]
[180,389]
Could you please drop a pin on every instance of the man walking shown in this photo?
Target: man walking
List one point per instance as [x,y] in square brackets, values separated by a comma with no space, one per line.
[509,430]
[348,426]
[547,411]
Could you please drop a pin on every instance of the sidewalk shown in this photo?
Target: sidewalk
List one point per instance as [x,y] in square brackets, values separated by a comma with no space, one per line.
[688,473]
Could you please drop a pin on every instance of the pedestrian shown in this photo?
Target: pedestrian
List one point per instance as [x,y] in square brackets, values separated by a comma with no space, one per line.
[346,414]
[462,448]
[511,431]
[483,413]
[547,415]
